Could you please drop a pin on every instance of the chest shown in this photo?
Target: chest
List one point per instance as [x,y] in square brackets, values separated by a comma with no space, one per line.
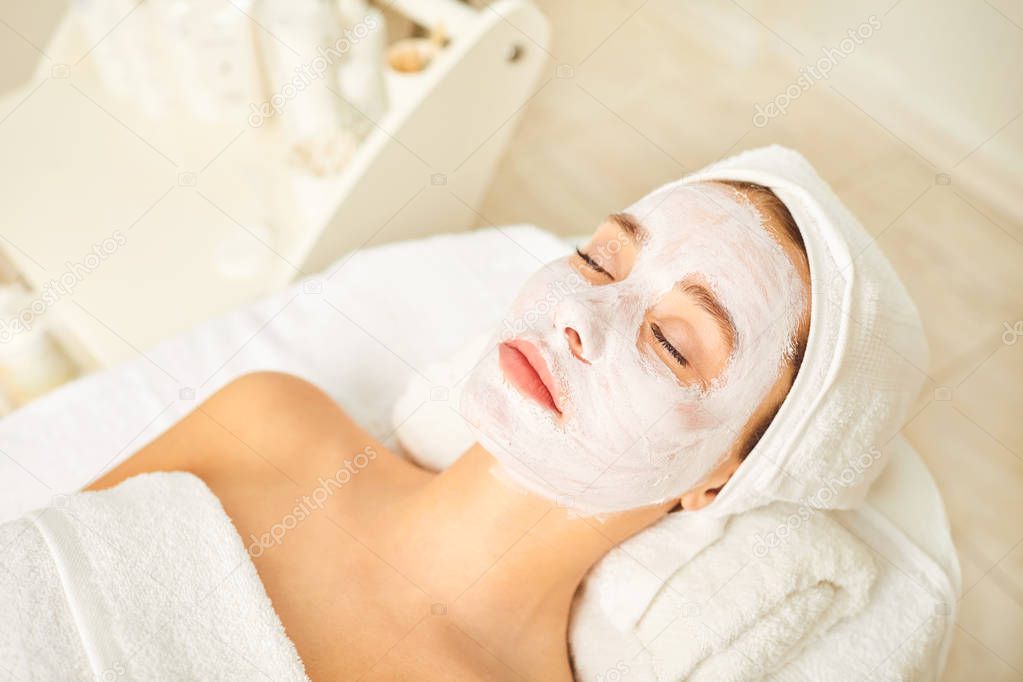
[350,612]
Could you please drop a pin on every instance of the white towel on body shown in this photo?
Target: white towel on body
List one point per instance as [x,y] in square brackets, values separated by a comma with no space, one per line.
[145,581]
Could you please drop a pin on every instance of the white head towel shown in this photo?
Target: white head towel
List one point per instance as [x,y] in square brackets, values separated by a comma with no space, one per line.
[864,361]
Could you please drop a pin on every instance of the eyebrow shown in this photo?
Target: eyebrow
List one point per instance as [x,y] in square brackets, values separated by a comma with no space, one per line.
[706,300]
[629,225]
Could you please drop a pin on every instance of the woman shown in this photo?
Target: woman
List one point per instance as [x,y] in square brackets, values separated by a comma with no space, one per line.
[677,335]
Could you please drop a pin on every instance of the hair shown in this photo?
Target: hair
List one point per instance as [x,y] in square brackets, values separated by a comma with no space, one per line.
[774,209]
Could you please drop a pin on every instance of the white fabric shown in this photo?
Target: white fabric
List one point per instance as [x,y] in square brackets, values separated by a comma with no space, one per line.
[737,610]
[30,585]
[145,581]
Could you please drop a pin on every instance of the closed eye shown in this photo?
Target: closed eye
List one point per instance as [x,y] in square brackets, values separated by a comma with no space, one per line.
[592,264]
[672,351]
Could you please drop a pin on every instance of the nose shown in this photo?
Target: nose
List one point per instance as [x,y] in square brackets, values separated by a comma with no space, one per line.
[575,344]
[575,317]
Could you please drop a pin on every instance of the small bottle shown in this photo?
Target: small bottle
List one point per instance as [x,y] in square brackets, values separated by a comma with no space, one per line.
[213,52]
[360,77]
[301,69]
[31,361]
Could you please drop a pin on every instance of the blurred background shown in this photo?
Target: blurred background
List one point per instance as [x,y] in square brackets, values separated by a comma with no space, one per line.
[912,110]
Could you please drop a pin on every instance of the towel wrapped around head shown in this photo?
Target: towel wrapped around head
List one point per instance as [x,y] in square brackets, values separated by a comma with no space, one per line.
[865,357]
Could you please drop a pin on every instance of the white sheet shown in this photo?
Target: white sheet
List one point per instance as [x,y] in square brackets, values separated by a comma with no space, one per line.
[358,331]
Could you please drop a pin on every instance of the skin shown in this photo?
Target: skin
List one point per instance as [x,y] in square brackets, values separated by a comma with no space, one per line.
[402,573]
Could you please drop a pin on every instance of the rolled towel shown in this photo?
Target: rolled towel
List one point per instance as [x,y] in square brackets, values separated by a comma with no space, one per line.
[748,603]
[431,432]
[145,581]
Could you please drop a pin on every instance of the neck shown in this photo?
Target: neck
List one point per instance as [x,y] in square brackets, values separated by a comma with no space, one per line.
[505,563]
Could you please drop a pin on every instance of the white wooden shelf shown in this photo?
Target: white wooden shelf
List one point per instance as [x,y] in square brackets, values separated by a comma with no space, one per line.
[213,216]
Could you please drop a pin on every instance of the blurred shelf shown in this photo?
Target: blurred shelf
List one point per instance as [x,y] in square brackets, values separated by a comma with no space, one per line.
[206,217]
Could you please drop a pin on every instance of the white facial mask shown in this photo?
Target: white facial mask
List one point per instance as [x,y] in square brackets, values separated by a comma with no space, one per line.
[632,434]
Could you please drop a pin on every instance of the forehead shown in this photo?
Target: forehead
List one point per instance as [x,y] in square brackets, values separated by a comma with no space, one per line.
[717,218]
[712,233]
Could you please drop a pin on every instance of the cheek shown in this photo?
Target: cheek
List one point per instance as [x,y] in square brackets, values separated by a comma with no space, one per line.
[691,415]
[546,287]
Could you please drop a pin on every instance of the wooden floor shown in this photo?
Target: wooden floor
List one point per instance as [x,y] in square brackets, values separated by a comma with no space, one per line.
[643,107]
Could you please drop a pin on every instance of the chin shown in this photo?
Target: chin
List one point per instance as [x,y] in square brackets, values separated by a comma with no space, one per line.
[490,403]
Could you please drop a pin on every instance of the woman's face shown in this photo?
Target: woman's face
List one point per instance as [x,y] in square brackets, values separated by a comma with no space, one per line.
[624,374]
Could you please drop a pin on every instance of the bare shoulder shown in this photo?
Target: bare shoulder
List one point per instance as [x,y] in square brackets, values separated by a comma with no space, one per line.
[266,402]
[268,386]
[260,425]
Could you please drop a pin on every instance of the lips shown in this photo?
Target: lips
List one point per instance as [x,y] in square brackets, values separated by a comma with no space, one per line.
[524,367]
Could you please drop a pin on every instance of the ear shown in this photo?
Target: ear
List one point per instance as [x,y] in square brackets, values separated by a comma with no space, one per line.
[704,493]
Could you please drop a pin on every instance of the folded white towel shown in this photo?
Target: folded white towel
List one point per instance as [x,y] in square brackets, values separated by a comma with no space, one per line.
[737,610]
[146,581]
[902,634]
